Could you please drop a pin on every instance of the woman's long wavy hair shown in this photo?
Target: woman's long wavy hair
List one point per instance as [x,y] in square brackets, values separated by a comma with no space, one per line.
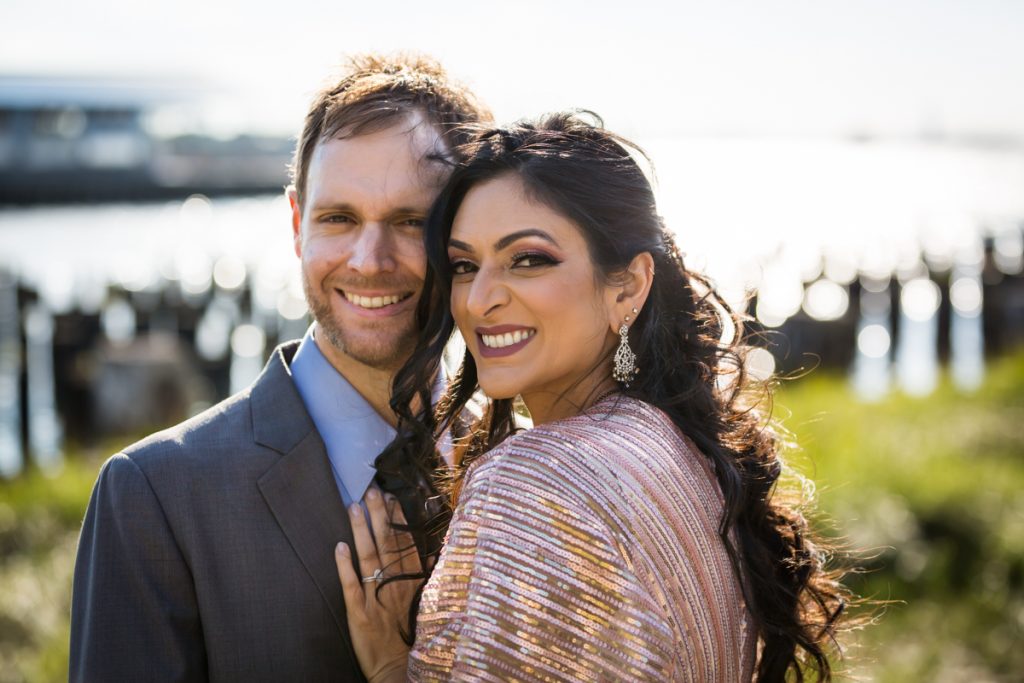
[690,346]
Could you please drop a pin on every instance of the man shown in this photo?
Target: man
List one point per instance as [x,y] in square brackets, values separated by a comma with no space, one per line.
[207,552]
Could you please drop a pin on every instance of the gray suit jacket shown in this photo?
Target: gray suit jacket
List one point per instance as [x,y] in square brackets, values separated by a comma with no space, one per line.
[207,552]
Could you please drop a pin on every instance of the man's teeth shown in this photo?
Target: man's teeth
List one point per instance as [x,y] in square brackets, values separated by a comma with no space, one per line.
[373,301]
[498,341]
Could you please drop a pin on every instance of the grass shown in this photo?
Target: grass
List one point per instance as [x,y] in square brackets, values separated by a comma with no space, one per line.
[930,489]
[931,492]
[40,514]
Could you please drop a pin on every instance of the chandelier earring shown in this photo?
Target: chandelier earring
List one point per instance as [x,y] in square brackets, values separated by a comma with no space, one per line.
[625,369]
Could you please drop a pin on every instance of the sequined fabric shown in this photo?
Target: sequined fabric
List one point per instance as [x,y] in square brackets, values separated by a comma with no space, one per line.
[587,550]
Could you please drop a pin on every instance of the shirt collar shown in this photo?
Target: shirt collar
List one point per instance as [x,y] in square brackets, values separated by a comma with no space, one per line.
[353,432]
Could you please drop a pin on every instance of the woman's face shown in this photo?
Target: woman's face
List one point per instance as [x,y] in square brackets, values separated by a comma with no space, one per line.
[526,297]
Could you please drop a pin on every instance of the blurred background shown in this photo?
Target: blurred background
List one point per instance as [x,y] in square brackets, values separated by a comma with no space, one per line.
[856,168]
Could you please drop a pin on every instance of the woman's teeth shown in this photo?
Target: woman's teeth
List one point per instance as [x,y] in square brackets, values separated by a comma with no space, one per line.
[498,341]
[373,301]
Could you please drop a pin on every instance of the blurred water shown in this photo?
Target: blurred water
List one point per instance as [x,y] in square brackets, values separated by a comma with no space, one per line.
[736,204]
[967,342]
[70,252]
[871,372]
[917,353]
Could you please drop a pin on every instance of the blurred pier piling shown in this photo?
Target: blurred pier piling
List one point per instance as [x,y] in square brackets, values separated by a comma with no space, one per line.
[126,359]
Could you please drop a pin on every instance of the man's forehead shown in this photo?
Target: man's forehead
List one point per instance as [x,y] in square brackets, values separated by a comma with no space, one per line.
[412,148]
[396,165]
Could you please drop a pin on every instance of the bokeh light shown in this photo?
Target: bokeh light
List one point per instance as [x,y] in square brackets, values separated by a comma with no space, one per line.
[229,272]
[920,299]
[825,300]
[966,296]
[248,341]
[874,341]
[760,363]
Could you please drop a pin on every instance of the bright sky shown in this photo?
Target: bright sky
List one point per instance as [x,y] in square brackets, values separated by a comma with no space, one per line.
[805,67]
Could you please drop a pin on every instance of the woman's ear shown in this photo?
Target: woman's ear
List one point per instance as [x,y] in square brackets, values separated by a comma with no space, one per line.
[628,296]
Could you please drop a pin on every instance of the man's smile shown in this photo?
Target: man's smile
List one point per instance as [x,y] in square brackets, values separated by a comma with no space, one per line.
[374,301]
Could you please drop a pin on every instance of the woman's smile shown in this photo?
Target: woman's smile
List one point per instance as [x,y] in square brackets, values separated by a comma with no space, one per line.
[503,340]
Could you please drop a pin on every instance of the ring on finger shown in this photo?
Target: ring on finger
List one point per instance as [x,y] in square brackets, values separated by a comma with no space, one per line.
[378,575]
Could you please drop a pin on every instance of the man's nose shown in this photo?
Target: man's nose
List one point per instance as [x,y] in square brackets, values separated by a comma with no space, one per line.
[487,294]
[373,250]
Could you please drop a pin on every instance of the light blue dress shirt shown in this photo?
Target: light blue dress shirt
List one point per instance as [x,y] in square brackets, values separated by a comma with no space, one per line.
[353,432]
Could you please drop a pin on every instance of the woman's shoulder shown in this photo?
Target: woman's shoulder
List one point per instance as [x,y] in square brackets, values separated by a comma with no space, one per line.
[580,455]
[615,427]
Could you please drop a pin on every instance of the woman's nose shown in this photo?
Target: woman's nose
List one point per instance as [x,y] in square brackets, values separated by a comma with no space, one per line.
[487,293]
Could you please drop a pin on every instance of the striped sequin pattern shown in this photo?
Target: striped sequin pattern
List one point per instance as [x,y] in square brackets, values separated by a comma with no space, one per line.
[586,550]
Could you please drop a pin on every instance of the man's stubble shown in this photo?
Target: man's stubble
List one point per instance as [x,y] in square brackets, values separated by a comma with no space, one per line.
[387,352]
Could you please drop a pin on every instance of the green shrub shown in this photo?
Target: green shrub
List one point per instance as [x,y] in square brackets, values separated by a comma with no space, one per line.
[931,492]
[40,515]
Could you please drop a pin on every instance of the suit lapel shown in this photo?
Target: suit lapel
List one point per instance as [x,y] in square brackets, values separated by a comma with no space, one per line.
[299,489]
[302,495]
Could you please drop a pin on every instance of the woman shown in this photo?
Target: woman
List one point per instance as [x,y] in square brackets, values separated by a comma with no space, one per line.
[632,533]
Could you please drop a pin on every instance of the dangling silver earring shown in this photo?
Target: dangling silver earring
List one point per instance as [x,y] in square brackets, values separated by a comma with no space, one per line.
[625,360]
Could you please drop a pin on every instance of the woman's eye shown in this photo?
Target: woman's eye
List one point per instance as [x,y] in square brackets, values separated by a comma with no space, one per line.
[462,267]
[532,260]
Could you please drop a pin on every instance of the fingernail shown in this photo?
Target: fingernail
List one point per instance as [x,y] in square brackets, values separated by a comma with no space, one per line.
[355,509]
[341,549]
[372,493]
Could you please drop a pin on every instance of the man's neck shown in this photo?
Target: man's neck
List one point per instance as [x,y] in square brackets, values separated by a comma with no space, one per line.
[373,384]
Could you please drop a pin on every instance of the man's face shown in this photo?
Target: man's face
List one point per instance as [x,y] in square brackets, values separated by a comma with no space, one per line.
[359,236]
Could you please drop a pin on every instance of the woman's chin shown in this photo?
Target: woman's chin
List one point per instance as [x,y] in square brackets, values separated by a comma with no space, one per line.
[497,392]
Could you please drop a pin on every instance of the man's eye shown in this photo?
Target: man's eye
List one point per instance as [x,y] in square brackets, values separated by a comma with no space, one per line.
[462,267]
[338,218]
[412,222]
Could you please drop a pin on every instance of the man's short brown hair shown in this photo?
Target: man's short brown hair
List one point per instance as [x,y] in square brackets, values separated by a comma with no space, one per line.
[377,91]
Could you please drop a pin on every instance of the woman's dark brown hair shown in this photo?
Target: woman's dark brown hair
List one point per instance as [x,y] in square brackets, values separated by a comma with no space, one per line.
[691,368]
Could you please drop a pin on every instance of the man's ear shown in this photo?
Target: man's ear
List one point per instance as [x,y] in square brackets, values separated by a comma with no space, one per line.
[293,201]
[631,291]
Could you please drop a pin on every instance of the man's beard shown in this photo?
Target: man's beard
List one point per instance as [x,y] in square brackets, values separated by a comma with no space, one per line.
[388,352]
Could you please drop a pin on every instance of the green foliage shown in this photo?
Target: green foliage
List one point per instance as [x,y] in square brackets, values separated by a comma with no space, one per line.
[40,506]
[40,514]
[930,492]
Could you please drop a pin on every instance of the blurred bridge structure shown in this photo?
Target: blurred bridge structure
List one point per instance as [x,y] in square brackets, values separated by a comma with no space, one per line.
[90,139]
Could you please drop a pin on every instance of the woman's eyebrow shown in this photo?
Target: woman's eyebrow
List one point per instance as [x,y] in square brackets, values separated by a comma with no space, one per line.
[460,245]
[520,234]
[508,239]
